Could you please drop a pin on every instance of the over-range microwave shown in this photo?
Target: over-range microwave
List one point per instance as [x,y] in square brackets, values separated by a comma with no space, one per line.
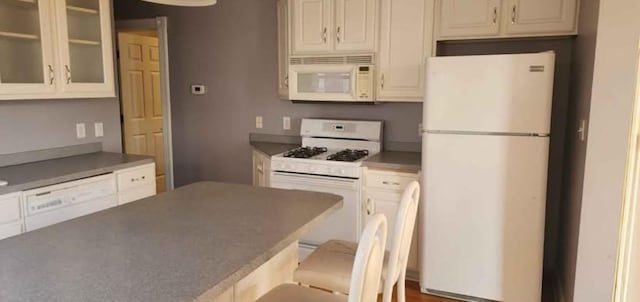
[332,78]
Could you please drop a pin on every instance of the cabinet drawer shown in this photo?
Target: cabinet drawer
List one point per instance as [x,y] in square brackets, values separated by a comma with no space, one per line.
[136,193]
[10,230]
[136,177]
[388,180]
[10,208]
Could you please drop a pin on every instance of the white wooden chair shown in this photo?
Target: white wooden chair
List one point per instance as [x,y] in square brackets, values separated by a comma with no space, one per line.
[329,266]
[366,273]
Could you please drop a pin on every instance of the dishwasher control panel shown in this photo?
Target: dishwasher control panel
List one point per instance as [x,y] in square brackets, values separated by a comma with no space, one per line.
[59,196]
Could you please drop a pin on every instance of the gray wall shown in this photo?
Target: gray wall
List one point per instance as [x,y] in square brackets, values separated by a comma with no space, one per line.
[582,81]
[563,47]
[28,125]
[612,103]
[232,49]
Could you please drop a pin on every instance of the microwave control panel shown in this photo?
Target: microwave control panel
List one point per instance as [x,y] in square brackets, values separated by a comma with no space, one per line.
[364,82]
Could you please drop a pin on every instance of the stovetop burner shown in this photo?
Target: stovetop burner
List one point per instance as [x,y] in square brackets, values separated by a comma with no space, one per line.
[348,155]
[305,152]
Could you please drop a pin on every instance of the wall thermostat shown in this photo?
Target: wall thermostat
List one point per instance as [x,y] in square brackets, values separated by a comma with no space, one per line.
[198,89]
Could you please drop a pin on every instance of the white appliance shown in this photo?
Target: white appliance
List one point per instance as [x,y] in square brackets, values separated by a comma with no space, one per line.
[332,164]
[53,204]
[335,78]
[485,152]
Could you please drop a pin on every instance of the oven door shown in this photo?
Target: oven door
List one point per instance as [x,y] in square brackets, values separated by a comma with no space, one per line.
[323,83]
[343,224]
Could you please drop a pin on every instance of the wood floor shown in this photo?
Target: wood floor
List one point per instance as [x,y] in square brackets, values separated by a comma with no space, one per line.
[414,295]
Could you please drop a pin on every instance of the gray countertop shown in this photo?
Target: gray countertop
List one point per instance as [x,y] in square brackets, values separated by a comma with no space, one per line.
[173,247]
[410,161]
[48,172]
[271,149]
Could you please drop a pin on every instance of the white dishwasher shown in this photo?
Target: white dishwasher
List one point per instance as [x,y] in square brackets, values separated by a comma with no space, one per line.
[54,204]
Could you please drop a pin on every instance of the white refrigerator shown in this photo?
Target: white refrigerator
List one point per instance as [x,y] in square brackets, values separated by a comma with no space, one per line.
[485,155]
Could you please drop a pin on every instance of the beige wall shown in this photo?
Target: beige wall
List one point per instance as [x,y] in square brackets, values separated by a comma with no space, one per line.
[613,95]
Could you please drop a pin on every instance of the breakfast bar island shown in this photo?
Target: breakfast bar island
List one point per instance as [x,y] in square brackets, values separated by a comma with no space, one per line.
[207,241]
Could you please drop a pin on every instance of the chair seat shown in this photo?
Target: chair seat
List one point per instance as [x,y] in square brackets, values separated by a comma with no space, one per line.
[296,293]
[329,266]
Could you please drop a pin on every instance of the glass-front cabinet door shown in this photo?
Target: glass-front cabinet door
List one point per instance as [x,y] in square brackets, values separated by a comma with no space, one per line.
[27,66]
[86,54]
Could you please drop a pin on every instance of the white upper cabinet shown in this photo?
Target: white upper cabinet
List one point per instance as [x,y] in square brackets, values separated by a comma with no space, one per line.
[86,55]
[283,49]
[481,19]
[541,16]
[329,26]
[55,49]
[460,18]
[355,25]
[405,42]
[26,49]
[311,26]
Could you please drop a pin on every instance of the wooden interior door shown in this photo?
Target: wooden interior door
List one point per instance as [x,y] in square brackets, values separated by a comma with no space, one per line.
[141,99]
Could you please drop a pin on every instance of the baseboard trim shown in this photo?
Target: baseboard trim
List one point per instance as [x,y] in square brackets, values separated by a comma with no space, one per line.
[413,275]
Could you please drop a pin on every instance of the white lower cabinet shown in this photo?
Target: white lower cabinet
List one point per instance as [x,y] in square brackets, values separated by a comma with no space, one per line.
[37,208]
[136,183]
[382,193]
[276,271]
[11,218]
[261,169]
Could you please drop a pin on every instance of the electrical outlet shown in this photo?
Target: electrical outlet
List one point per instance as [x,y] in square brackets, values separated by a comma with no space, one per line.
[286,123]
[259,124]
[81,130]
[98,129]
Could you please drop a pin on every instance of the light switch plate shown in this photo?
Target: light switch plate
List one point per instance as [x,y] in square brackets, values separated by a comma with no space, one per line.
[259,124]
[81,130]
[98,129]
[286,123]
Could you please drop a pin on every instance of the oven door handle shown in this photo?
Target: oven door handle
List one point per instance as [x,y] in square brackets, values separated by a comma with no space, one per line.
[313,179]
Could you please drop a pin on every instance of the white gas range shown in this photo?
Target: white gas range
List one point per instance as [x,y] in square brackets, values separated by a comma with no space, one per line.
[330,161]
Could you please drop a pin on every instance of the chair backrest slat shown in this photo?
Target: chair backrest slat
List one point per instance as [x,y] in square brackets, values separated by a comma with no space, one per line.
[402,234]
[367,268]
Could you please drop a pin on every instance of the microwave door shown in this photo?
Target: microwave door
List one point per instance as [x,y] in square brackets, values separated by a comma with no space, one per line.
[323,82]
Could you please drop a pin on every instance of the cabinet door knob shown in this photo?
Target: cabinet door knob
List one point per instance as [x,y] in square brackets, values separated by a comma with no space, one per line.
[495,15]
[514,14]
[67,71]
[338,34]
[324,35]
[382,81]
[52,76]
